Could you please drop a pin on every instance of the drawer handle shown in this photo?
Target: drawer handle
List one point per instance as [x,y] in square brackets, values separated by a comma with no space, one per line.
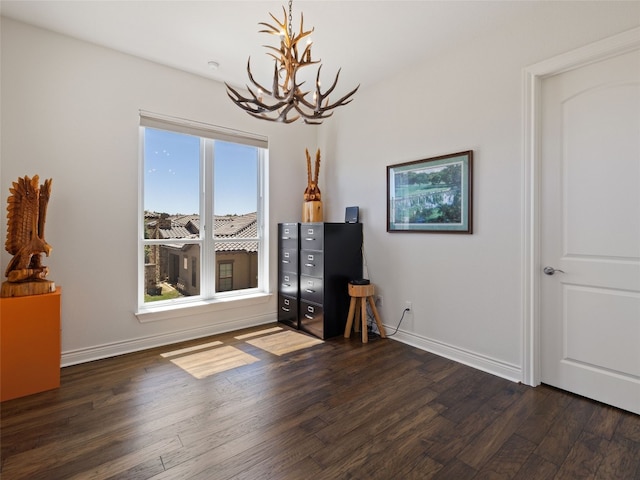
[309,239]
[309,264]
[308,290]
[308,316]
[286,284]
[286,238]
[285,309]
[285,261]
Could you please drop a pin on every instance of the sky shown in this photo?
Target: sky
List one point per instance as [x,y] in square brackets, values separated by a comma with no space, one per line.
[171,169]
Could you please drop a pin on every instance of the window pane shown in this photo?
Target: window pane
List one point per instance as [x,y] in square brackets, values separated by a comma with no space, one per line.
[225,276]
[171,271]
[235,179]
[172,178]
[235,205]
[237,267]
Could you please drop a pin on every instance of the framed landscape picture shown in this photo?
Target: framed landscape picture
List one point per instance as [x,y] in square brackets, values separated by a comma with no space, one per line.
[432,195]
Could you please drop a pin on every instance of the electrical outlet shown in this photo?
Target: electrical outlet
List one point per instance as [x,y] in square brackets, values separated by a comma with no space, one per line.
[378,300]
[408,306]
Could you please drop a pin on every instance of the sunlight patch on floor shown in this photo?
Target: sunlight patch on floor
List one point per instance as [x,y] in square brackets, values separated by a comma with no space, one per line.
[258,333]
[284,342]
[209,358]
[216,360]
[182,351]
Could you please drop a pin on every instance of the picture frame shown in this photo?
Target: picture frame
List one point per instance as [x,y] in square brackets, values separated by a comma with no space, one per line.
[433,195]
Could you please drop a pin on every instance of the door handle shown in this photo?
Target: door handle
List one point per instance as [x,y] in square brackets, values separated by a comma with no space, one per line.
[551,270]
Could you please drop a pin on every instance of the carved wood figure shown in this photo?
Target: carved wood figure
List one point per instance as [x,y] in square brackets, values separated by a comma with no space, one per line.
[26,217]
[312,206]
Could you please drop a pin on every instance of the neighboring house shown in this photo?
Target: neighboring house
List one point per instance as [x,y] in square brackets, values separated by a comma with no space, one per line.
[178,264]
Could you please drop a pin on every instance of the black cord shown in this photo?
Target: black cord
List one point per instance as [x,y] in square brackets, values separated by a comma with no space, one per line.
[401,318]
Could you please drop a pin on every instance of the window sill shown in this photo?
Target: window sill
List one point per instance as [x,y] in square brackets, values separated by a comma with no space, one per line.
[167,312]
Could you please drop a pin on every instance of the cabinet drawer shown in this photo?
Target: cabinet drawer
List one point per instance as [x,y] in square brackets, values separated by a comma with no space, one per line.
[289,260]
[311,236]
[288,284]
[311,263]
[289,235]
[311,289]
[288,311]
[312,319]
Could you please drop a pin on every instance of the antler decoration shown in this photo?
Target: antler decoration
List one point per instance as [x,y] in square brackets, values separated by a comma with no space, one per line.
[289,101]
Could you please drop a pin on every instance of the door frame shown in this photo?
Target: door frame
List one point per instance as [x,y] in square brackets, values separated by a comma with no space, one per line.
[533,76]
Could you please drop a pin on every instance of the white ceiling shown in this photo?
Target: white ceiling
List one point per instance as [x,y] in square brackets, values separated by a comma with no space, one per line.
[368,39]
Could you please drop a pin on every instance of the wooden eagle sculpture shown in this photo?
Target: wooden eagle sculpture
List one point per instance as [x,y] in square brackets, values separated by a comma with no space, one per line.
[26,216]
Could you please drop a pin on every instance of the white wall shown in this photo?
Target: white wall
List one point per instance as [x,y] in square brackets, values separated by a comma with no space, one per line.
[465,289]
[70,113]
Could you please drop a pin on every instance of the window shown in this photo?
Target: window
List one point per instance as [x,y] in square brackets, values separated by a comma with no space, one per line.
[225,276]
[202,212]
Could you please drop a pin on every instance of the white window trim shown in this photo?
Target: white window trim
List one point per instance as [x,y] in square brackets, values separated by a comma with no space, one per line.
[222,300]
[200,307]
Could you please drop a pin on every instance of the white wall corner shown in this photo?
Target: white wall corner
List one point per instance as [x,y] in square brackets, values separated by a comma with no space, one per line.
[466,357]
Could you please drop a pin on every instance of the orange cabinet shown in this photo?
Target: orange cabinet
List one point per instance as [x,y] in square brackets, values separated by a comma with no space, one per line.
[29,344]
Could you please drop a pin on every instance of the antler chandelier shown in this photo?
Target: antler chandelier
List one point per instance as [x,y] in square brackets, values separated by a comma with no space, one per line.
[288,101]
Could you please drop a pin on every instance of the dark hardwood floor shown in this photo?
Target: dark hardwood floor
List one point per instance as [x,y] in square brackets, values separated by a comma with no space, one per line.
[338,410]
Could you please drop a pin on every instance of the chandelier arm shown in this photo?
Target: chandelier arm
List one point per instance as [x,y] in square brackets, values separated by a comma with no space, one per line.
[288,94]
[322,96]
[301,35]
[283,25]
[262,116]
[273,119]
[253,80]
[285,112]
[306,55]
[319,108]
[271,30]
[242,102]
[262,109]
[276,86]
[333,85]
[278,54]
[315,107]
[342,101]
[245,102]
[315,115]
[312,111]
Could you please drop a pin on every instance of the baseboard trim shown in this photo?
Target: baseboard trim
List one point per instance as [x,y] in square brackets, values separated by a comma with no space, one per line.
[460,355]
[466,357]
[83,355]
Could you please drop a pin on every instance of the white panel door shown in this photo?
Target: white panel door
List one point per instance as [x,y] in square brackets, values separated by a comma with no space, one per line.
[590,231]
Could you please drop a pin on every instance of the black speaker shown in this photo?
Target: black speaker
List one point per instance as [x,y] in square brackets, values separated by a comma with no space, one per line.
[351,215]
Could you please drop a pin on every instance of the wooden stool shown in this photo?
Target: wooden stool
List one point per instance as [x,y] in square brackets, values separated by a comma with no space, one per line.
[360,294]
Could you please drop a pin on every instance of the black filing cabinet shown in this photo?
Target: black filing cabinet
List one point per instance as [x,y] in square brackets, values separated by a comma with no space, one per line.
[330,256]
[288,272]
[316,261]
